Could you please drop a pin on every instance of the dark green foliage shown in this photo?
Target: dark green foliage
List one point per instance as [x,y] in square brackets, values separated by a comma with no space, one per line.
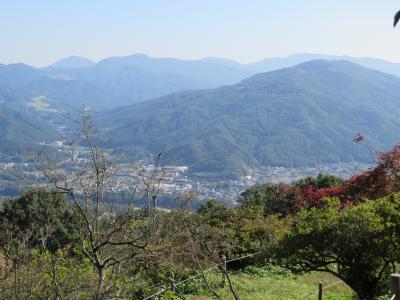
[319,182]
[300,116]
[271,198]
[234,231]
[211,207]
[46,215]
[359,244]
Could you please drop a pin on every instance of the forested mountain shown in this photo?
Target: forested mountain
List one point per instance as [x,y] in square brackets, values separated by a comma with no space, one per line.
[21,126]
[269,119]
[21,132]
[299,116]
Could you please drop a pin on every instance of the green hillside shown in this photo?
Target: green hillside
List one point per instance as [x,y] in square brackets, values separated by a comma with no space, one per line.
[299,116]
[21,132]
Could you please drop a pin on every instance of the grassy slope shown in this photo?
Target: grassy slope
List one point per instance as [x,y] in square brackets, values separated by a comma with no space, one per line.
[275,287]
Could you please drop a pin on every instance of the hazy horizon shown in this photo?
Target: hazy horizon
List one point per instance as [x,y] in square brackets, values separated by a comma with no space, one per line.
[200,58]
[42,32]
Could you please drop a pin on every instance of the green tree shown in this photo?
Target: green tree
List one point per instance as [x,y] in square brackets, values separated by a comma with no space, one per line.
[46,215]
[320,181]
[271,198]
[358,244]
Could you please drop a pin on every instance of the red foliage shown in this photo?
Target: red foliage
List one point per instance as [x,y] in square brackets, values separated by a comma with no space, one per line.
[375,183]
[379,181]
[312,197]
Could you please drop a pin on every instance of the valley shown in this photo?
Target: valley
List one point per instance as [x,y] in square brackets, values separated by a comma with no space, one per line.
[275,126]
[165,150]
[177,181]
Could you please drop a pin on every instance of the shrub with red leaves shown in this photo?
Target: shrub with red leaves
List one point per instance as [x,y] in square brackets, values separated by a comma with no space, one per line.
[312,197]
[378,181]
[374,183]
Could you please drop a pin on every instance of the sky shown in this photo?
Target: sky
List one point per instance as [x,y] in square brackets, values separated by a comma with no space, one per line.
[42,31]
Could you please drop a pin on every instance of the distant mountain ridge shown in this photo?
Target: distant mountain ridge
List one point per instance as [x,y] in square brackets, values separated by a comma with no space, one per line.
[276,63]
[298,116]
[172,65]
[372,63]
[112,82]
[72,62]
[120,81]
[210,74]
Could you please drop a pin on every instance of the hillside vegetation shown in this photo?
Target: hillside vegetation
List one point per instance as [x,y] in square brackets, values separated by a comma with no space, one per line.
[299,116]
[270,246]
[21,132]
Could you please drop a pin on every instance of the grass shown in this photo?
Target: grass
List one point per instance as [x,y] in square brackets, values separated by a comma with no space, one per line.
[261,284]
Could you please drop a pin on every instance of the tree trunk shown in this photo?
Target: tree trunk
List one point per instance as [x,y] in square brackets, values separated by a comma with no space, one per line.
[100,285]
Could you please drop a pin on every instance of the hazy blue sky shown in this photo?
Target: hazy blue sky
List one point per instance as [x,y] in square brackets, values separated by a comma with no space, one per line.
[39,32]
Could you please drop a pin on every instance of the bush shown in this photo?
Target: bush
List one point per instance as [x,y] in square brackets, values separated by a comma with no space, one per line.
[358,244]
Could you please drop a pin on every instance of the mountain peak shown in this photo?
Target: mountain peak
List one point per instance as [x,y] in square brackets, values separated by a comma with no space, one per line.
[325,63]
[72,62]
[294,117]
[338,65]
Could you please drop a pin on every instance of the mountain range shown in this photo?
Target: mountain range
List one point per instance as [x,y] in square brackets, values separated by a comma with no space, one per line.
[271,64]
[191,67]
[215,115]
[117,81]
[298,116]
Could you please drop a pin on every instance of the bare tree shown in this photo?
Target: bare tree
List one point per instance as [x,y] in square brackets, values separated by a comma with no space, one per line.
[109,237]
